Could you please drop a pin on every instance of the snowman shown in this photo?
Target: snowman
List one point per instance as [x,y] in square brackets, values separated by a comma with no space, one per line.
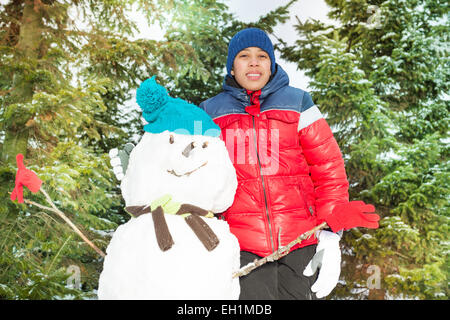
[177,177]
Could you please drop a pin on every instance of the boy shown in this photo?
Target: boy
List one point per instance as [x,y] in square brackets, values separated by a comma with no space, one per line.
[290,173]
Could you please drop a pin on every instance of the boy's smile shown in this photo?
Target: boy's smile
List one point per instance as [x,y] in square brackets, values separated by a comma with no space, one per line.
[254,76]
[251,68]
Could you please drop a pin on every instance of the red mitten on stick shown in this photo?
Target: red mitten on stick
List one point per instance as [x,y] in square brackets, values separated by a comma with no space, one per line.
[352,215]
[24,177]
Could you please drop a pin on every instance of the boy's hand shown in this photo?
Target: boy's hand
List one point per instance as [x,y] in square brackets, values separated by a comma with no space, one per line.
[119,160]
[351,215]
[328,260]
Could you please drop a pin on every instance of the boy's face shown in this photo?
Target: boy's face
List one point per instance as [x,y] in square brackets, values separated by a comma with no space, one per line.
[251,68]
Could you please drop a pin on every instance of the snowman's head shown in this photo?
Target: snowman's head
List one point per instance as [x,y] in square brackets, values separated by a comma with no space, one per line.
[180,154]
[193,169]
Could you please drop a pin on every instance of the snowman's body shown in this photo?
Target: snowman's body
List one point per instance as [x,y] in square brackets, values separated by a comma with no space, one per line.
[136,268]
[203,175]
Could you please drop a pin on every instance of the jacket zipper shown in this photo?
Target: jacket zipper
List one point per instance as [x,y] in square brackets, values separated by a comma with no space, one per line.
[263,185]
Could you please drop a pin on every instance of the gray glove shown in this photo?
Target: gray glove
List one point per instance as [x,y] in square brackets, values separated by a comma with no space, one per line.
[119,160]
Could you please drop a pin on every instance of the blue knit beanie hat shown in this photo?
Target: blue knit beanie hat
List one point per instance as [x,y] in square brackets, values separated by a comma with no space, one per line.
[251,37]
[163,112]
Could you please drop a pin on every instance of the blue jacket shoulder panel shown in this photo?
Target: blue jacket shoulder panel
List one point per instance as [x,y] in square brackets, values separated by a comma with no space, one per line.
[222,104]
[276,95]
[307,101]
[285,98]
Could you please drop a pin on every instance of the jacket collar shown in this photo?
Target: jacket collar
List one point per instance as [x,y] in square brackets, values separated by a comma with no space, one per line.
[278,80]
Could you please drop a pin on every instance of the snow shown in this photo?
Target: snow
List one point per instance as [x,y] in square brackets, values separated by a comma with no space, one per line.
[401,296]
[366,236]
[103,233]
[388,156]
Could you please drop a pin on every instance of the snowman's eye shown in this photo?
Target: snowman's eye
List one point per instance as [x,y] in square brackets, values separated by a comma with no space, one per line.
[205,144]
[171,139]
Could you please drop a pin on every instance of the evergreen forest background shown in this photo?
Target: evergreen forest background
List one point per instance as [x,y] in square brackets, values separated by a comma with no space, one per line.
[68,69]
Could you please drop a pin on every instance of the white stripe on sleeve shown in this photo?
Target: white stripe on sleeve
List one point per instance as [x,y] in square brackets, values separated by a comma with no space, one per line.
[309,116]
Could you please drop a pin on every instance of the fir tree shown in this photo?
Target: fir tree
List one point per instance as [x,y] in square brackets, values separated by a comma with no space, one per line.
[66,71]
[381,75]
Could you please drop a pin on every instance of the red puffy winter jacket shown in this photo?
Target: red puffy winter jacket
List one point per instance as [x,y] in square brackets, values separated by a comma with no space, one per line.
[289,167]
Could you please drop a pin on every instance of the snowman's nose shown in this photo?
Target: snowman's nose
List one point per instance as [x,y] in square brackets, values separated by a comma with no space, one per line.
[186,152]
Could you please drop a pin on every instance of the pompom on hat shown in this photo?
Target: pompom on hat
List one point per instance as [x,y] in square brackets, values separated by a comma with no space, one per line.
[163,112]
[250,37]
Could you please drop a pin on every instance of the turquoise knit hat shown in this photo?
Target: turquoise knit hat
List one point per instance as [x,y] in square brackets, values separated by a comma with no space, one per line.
[163,112]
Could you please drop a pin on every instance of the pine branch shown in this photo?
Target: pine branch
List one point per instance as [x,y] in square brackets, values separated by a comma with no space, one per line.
[281,252]
[67,220]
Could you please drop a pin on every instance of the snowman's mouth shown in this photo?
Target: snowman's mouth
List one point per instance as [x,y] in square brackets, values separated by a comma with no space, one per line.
[187,174]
